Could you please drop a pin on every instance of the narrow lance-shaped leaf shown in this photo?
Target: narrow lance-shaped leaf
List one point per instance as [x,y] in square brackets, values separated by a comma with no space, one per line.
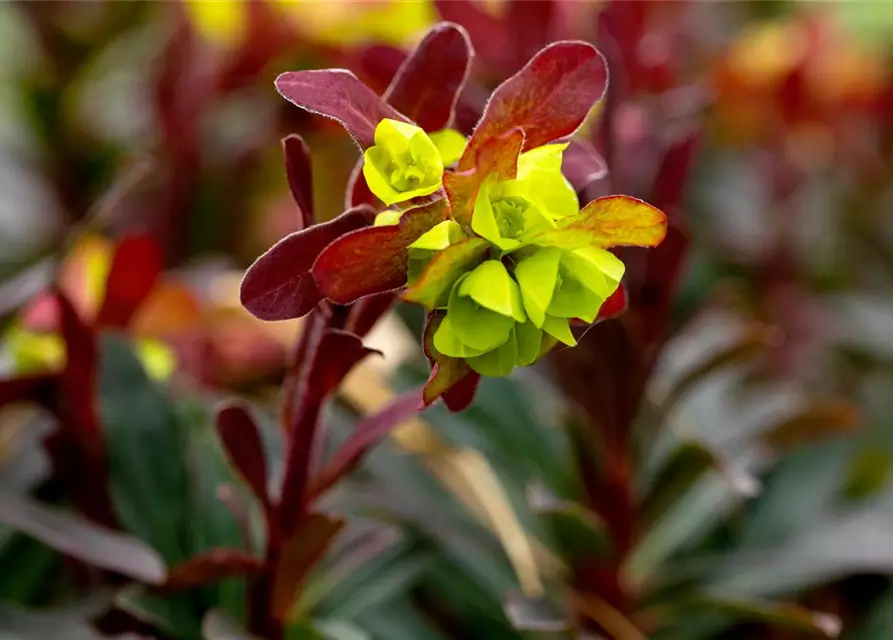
[374,260]
[242,442]
[299,174]
[81,539]
[279,285]
[366,434]
[338,94]
[212,566]
[548,99]
[428,83]
[133,273]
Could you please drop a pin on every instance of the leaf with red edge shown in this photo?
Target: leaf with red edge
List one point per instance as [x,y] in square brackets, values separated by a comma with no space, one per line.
[447,373]
[299,174]
[368,431]
[242,442]
[548,99]
[428,83]
[338,94]
[609,221]
[374,260]
[358,191]
[279,285]
[581,164]
[212,566]
[498,155]
[300,553]
[432,289]
[133,273]
[333,356]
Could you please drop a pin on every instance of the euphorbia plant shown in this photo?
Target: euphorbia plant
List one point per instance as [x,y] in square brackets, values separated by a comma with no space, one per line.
[486,233]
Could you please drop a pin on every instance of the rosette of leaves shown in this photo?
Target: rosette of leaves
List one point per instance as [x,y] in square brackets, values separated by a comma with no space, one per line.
[486,233]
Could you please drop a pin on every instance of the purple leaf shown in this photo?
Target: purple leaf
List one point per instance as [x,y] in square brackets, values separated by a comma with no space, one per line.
[279,285]
[368,432]
[241,439]
[90,543]
[300,176]
[338,94]
[213,566]
[428,83]
[374,260]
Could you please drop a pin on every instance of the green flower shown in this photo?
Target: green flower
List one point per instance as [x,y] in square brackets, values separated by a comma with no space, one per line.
[559,284]
[405,162]
[510,212]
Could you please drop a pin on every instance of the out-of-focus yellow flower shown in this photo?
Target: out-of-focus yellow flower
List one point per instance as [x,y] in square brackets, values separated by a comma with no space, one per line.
[337,22]
[766,53]
[348,22]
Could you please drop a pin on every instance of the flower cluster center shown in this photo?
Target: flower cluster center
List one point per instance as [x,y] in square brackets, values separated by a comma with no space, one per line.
[510,213]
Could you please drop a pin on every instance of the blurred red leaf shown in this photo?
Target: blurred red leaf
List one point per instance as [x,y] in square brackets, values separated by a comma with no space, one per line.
[615,305]
[548,99]
[451,378]
[300,176]
[338,94]
[529,23]
[374,260]
[367,432]
[485,29]
[673,173]
[133,274]
[242,442]
[212,566]
[582,165]
[428,83]
[366,312]
[498,155]
[300,553]
[77,382]
[279,284]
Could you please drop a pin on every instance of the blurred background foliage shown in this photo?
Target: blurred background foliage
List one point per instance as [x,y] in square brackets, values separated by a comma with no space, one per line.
[715,464]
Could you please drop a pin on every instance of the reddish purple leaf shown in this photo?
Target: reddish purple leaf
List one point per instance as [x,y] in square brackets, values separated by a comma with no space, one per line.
[133,274]
[368,432]
[673,172]
[447,374]
[358,192]
[300,553]
[366,312]
[582,165]
[244,448]
[615,305]
[212,566]
[374,260]
[548,99]
[428,83]
[300,176]
[486,30]
[529,23]
[338,94]
[497,155]
[279,285]
[376,65]
[461,394]
[334,356]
